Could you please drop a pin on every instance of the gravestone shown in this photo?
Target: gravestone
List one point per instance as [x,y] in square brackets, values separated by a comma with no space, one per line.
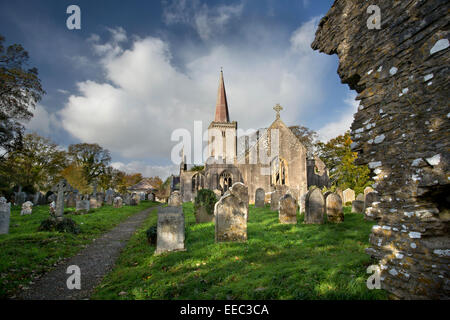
[367,190]
[118,202]
[5,214]
[348,195]
[357,206]
[334,208]
[315,207]
[62,187]
[260,198]
[275,200]
[170,230]
[39,199]
[51,198]
[82,206]
[135,199]
[288,210]
[175,199]
[126,199]
[360,197]
[93,204]
[370,198]
[27,208]
[231,214]
[100,199]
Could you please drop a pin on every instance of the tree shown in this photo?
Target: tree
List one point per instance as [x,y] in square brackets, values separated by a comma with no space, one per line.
[92,158]
[164,190]
[74,174]
[36,166]
[156,182]
[307,137]
[20,91]
[340,160]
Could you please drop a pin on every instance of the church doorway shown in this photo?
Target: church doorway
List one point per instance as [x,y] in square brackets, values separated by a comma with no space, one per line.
[225,181]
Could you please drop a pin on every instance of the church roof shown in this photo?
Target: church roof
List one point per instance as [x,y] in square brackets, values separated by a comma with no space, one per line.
[221,103]
[144,184]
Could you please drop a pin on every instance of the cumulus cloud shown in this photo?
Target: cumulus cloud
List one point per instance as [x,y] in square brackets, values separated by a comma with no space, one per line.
[144,96]
[204,19]
[42,122]
[345,119]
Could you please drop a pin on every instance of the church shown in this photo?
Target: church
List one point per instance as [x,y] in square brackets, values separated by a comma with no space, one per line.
[273,159]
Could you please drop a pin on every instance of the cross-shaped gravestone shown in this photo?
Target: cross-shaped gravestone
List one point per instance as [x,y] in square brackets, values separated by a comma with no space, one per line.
[62,187]
[277,109]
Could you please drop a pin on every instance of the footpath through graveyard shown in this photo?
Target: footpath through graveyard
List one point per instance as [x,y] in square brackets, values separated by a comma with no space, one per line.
[95,261]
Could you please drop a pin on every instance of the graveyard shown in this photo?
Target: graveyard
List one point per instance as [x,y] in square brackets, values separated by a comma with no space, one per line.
[279,261]
[131,170]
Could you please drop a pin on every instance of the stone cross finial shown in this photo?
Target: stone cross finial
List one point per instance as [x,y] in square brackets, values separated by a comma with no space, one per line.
[278,108]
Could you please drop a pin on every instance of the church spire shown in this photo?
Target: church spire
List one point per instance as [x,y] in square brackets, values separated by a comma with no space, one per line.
[221,103]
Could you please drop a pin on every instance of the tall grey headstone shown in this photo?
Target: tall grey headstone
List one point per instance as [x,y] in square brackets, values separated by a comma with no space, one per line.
[170,230]
[315,207]
[275,200]
[260,196]
[5,215]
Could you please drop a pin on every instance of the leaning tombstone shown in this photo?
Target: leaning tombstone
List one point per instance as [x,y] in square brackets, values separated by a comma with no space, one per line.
[315,207]
[5,215]
[175,199]
[231,214]
[260,198]
[27,208]
[334,208]
[288,210]
[118,202]
[275,200]
[170,230]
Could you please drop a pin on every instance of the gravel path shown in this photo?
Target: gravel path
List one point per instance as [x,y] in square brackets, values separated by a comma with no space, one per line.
[95,261]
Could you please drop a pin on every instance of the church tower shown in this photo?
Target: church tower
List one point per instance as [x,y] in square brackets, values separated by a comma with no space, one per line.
[222,139]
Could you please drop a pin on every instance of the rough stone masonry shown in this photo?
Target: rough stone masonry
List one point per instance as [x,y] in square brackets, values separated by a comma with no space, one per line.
[401,130]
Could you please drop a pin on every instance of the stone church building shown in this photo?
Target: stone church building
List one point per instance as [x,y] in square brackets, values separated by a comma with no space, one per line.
[271,159]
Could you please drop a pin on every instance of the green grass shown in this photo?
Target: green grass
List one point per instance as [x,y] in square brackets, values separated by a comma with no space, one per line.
[278,262]
[25,252]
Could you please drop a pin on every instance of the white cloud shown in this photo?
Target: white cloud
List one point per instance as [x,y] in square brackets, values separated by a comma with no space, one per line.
[334,129]
[205,20]
[43,122]
[147,170]
[144,97]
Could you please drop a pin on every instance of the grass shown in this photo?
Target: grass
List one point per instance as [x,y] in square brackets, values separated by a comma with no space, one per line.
[278,262]
[26,253]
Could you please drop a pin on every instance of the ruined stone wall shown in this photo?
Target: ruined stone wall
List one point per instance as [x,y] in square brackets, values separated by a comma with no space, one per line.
[401,130]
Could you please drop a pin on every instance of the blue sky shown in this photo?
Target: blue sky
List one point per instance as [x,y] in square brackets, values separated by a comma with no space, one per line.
[138,70]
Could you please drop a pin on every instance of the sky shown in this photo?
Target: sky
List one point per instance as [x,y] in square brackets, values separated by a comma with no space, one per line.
[137,71]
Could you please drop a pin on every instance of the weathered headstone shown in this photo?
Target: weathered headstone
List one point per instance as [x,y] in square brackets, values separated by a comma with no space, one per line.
[348,195]
[27,208]
[260,196]
[275,200]
[175,199]
[5,214]
[357,206]
[360,197]
[231,214]
[93,204]
[82,206]
[288,210]
[62,186]
[315,207]
[170,230]
[334,208]
[118,202]
[71,200]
